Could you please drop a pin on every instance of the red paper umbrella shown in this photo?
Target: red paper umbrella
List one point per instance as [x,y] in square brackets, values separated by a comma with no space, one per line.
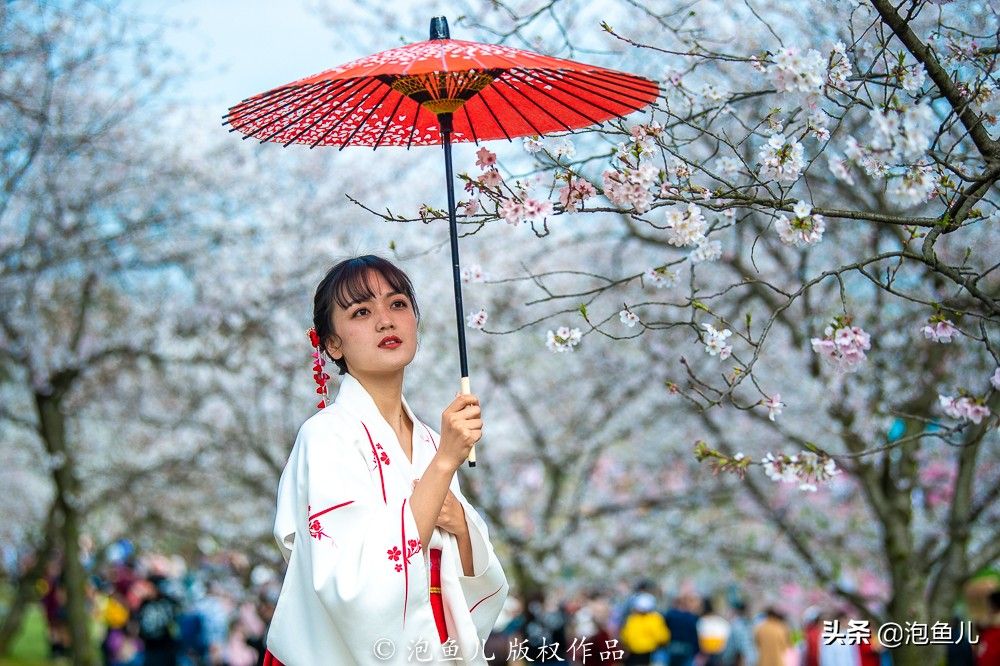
[436,92]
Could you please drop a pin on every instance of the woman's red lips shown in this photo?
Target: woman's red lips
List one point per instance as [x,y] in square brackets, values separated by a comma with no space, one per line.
[389,340]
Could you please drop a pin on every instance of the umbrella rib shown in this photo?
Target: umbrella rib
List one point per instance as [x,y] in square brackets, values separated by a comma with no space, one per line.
[413,130]
[388,91]
[279,118]
[263,111]
[613,113]
[337,123]
[292,122]
[322,116]
[525,118]
[251,104]
[482,98]
[527,82]
[539,106]
[597,83]
[468,119]
[634,83]
[388,123]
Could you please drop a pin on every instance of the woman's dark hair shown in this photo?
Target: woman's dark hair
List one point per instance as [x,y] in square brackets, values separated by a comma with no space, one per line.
[346,283]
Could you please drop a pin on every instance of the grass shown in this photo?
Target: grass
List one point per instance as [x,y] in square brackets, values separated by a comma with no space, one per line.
[31,646]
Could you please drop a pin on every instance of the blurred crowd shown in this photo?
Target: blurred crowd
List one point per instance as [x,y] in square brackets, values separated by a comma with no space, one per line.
[160,611]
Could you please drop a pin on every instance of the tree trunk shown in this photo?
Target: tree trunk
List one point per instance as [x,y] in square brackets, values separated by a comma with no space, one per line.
[52,425]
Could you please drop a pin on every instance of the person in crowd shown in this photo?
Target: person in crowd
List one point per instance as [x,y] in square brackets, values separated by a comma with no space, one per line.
[772,638]
[682,621]
[740,649]
[644,631]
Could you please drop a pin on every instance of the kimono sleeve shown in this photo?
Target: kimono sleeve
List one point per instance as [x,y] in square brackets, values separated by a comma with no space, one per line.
[486,589]
[364,550]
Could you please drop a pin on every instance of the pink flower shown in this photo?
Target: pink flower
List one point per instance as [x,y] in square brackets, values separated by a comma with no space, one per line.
[512,211]
[471,208]
[537,210]
[995,379]
[490,178]
[942,331]
[774,405]
[485,158]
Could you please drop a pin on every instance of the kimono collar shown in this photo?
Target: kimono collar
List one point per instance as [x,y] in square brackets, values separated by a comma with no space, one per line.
[354,397]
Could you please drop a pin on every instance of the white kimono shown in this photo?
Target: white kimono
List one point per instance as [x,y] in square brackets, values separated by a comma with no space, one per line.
[356,587]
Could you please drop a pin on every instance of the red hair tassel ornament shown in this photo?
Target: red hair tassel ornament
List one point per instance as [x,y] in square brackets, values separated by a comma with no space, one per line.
[319,374]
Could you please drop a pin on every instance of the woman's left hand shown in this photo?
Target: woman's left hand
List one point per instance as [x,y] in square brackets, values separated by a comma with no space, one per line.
[452,516]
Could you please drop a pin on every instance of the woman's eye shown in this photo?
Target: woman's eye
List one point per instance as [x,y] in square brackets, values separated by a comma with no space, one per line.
[403,303]
[359,311]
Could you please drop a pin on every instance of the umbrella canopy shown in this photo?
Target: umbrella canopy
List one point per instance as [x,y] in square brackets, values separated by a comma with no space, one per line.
[436,92]
[393,98]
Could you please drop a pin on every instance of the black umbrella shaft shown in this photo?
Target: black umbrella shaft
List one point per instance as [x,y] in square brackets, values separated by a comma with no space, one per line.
[445,120]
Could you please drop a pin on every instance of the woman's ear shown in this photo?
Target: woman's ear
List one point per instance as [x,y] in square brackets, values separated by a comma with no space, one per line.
[333,348]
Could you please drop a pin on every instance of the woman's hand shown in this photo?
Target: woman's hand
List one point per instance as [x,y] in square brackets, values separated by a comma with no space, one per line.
[461,427]
[452,516]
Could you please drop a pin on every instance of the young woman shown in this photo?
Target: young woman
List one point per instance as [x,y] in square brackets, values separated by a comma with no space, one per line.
[387,561]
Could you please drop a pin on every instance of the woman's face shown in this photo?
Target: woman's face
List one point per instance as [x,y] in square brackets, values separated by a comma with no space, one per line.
[378,335]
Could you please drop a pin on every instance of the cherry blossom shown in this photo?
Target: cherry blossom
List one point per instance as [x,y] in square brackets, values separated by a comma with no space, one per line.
[473,273]
[840,67]
[630,186]
[537,210]
[471,207]
[964,408]
[628,317]
[940,330]
[477,320]
[490,178]
[843,346]
[706,250]
[485,158]
[533,144]
[838,167]
[782,159]
[715,342]
[995,379]
[563,148]
[774,405]
[914,186]
[803,228]
[805,468]
[562,339]
[512,211]
[686,227]
[578,190]
[660,277]
[794,71]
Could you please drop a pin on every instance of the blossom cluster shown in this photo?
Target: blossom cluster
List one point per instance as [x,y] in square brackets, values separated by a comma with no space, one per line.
[629,187]
[628,317]
[843,346]
[805,468]
[715,342]
[939,329]
[477,320]
[782,159]
[660,276]
[964,407]
[562,339]
[686,227]
[804,228]
[914,186]
[575,192]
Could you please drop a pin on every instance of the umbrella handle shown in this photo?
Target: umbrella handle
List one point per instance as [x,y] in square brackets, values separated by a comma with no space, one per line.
[466,390]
